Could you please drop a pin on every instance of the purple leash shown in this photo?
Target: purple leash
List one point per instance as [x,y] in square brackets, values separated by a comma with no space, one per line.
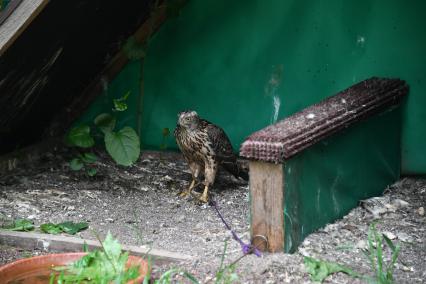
[246,248]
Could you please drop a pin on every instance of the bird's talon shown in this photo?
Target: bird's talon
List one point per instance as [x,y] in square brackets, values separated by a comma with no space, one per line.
[204,198]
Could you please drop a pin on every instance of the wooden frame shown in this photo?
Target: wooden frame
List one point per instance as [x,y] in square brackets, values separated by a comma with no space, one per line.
[267,203]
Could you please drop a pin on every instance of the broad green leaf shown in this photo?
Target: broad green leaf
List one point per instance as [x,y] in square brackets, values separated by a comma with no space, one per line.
[21,225]
[319,269]
[80,136]
[91,172]
[101,266]
[120,103]
[76,164]
[51,228]
[89,158]
[111,246]
[123,146]
[72,228]
[106,122]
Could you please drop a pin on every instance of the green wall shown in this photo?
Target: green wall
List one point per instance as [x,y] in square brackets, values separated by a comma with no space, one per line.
[245,64]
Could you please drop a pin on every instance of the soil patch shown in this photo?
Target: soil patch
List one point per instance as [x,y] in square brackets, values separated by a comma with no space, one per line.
[140,206]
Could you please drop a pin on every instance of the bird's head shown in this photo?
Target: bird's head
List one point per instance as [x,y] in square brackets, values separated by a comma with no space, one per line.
[188,119]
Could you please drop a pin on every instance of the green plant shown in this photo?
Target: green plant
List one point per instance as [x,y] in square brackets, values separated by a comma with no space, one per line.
[226,274]
[86,161]
[64,227]
[321,269]
[99,266]
[122,145]
[374,252]
[383,272]
[21,225]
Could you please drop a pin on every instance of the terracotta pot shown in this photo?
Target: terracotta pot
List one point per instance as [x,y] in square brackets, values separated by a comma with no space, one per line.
[36,270]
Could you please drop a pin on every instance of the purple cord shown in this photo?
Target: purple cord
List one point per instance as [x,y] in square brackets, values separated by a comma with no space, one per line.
[246,248]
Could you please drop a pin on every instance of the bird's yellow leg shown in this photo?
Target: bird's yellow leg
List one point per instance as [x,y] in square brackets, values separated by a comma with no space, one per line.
[205,196]
[189,190]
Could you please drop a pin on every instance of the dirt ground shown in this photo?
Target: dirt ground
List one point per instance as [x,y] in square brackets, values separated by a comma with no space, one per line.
[140,206]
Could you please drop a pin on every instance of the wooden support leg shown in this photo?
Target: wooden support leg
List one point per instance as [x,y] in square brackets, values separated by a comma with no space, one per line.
[267,203]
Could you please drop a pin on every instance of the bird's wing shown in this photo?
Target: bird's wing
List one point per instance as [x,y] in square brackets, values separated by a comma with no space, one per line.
[220,142]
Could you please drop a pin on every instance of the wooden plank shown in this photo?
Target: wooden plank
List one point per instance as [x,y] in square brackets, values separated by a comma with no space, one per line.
[31,241]
[8,10]
[18,21]
[267,201]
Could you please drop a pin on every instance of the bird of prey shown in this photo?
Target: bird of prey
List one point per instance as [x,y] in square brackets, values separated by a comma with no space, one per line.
[205,147]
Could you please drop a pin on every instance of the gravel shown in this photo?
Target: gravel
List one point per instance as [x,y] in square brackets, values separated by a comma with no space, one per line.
[140,205]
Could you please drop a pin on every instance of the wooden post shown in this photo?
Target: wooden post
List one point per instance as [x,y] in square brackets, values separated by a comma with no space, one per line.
[267,203]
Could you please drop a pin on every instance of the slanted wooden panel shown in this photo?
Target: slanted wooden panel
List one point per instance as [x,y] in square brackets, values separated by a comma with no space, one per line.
[19,16]
[267,212]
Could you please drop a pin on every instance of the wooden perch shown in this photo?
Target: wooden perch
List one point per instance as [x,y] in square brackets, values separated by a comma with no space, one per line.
[288,137]
[270,148]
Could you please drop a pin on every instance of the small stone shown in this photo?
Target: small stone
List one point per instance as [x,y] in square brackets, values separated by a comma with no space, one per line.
[391,207]
[110,220]
[167,178]
[181,218]
[349,227]
[390,235]
[399,203]
[362,244]
[421,211]
[404,237]
[144,188]
[303,251]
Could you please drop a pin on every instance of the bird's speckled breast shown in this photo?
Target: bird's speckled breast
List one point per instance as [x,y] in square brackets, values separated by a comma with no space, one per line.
[193,143]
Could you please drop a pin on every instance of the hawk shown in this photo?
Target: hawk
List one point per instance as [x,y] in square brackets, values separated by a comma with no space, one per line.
[205,147]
